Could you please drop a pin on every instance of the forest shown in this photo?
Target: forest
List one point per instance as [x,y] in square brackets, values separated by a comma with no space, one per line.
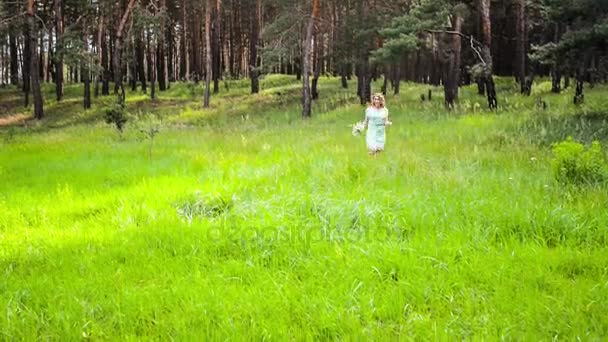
[202,169]
[151,44]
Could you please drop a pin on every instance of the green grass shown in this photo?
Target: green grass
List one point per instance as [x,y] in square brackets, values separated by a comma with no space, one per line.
[250,223]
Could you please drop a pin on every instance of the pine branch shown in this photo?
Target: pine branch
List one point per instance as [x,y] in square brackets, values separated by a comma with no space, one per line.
[470,38]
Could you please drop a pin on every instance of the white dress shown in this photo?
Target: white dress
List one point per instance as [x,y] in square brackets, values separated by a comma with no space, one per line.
[376,129]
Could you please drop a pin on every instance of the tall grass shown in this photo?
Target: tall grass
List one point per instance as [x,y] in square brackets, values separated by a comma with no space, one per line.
[251,223]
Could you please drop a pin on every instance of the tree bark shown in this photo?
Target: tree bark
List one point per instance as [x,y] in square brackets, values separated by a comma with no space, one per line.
[556,74]
[520,49]
[59,55]
[253,47]
[451,76]
[26,64]
[86,69]
[318,59]
[486,33]
[396,77]
[363,73]
[118,44]
[216,46]
[152,66]
[14,59]
[343,75]
[306,105]
[184,69]
[34,74]
[139,61]
[161,61]
[208,66]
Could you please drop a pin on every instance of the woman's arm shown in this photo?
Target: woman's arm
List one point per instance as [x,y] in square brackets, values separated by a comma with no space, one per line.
[387,122]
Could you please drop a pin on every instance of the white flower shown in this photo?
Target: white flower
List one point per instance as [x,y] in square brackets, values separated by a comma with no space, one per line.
[357,128]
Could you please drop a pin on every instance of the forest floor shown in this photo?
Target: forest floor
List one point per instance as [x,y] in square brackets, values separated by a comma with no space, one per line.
[244,221]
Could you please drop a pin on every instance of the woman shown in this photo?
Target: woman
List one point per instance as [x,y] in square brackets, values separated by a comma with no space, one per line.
[376,120]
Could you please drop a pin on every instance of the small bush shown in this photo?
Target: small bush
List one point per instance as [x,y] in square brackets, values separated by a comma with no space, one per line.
[575,164]
[116,115]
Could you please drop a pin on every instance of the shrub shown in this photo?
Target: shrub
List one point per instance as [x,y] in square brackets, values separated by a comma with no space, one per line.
[116,115]
[575,164]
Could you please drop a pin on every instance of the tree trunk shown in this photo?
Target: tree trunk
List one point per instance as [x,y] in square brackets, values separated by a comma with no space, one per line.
[184,71]
[236,47]
[208,66]
[139,60]
[363,74]
[253,48]
[14,59]
[59,56]
[579,97]
[86,69]
[451,75]
[26,64]
[118,43]
[385,82]
[216,46]
[486,33]
[520,48]
[556,74]
[34,74]
[317,68]
[49,75]
[152,67]
[306,105]
[161,61]
[396,77]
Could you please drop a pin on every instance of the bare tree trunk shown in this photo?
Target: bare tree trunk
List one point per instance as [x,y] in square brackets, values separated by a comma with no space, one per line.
[14,60]
[139,60]
[236,47]
[118,44]
[486,29]
[184,69]
[306,110]
[363,73]
[26,64]
[99,52]
[208,66]
[59,57]
[152,66]
[318,60]
[49,75]
[520,50]
[451,75]
[86,77]
[161,61]
[216,46]
[396,77]
[253,48]
[34,74]
[556,74]
[343,76]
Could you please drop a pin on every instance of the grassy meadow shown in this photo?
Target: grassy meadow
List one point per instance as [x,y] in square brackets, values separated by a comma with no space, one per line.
[245,222]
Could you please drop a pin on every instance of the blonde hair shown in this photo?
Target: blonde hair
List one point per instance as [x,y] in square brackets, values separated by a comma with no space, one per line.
[380,97]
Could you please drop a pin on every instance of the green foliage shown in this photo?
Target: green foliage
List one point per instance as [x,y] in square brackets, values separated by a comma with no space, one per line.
[199,206]
[409,32]
[116,114]
[575,164]
[149,128]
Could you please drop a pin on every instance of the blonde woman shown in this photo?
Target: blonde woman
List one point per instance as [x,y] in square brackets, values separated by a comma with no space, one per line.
[376,120]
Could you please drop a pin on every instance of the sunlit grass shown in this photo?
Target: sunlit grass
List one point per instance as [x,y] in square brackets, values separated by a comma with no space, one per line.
[248,222]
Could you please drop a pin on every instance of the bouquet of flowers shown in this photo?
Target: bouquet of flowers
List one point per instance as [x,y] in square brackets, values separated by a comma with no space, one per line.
[358,128]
